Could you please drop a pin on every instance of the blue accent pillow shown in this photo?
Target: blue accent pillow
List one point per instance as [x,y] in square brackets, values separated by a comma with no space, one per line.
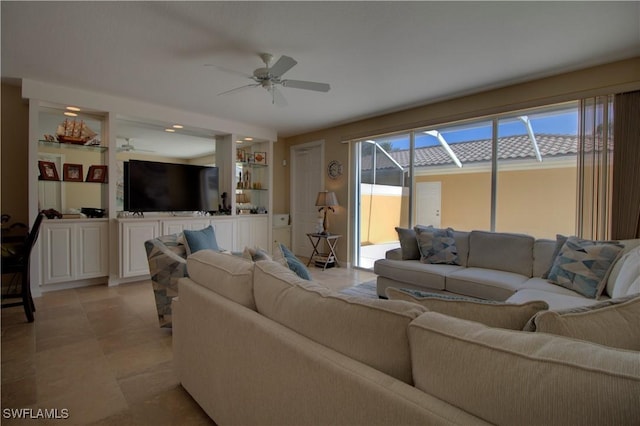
[437,245]
[204,239]
[584,265]
[294,263]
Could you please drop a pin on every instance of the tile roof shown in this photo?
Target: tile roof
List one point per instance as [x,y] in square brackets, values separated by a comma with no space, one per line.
[511,147]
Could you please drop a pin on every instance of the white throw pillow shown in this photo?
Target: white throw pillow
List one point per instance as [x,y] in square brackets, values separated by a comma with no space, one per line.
[628,280]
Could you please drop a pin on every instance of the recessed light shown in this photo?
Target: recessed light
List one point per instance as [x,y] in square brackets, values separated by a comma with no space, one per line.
[248,139]
[70,114]
[170,130]
[72,108]
[178,126]
[238,141]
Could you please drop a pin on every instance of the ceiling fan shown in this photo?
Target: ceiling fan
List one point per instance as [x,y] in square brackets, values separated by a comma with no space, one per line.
[129,147]
[270,77]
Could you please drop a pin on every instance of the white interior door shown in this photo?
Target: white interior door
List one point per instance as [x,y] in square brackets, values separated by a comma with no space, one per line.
[428,203]
[306,181]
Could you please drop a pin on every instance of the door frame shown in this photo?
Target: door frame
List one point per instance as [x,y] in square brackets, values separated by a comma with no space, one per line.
[295,228]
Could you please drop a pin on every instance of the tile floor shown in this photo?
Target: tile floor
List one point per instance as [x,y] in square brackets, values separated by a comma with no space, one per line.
[98,352]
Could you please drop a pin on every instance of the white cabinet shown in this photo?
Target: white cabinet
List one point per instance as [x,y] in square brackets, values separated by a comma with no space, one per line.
[282,234]
[225,230]
[253,231]
[74,250]
[93,254]
[178,225]
[133,256]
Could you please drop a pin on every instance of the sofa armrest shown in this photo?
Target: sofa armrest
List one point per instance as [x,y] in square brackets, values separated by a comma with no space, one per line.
[394,254]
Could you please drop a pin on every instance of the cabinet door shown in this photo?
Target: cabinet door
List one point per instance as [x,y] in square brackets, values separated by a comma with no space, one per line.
[260,232]
[252,232]
[172,227]
[176,226]
[282,235]
[225,235]
[57,252]
[243,233]
[93,254]
[133,256]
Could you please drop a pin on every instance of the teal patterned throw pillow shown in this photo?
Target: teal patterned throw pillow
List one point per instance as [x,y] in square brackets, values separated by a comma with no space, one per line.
[584,265]
[437,245]
[204,239]
[294,263]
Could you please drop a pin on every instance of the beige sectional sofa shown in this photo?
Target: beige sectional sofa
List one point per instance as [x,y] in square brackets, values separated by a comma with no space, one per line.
[254,344]
[495,266]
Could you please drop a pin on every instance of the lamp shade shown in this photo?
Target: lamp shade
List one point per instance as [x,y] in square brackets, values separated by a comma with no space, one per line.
[326,199]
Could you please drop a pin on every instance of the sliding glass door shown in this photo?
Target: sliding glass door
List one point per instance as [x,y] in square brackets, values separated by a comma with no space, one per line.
[382,195]
[515,172]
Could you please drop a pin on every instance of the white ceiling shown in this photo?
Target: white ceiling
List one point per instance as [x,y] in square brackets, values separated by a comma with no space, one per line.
[377,56]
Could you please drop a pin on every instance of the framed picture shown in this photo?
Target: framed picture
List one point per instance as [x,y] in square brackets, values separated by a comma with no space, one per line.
[97,174]
[48,170]
[240,155]
[260,157]
[72,172]
[250,158]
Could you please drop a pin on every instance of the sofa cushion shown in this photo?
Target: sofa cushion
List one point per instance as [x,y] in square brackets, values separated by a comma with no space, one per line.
[484,283]
[437,246]
[462,244]
[555,300]
[560,240]
[584,265]
[543,256]
[612,323]
[501,251]
[203,239]
[228,275]
[408,243]
[491,313]
[255,253]
[629,245]
[627,280]
[514,377]
[373,331]
[414,272]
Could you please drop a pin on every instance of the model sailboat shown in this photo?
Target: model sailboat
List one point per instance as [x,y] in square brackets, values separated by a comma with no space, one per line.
[76,132]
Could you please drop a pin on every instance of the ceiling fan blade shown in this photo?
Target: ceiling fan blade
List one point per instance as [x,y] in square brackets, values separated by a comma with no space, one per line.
[284,64]
[239,89]
[229,71]
[307,85]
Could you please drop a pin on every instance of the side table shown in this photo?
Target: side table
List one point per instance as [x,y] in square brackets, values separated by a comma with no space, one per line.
[324,258]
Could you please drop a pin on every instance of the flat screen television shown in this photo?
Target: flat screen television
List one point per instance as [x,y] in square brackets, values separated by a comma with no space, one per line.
[151,186]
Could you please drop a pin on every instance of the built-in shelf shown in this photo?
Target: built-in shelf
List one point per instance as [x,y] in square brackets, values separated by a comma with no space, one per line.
[252,165]
[94,148]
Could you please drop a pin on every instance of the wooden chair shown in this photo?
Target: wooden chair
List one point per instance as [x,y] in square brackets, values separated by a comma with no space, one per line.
[18,265]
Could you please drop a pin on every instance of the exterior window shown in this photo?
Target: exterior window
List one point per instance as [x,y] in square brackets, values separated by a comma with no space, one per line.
[536,186]
[452,168]
[516,172]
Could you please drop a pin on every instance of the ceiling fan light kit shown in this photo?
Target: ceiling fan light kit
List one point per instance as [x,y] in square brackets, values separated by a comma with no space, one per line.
[269,77]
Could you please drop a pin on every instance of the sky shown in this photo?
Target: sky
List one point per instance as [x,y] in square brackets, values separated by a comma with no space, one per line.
[565,123]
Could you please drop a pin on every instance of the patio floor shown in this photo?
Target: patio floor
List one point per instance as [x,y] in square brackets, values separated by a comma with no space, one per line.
[369,254]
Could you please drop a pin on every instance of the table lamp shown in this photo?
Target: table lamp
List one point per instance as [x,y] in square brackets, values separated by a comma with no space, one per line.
[326,201]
